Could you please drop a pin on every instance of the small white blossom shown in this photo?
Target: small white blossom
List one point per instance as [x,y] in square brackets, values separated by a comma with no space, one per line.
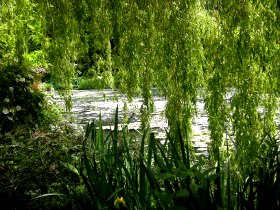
[5,111]
[18,108]
[11,89]
[22,79]
[7,100]
[10,118]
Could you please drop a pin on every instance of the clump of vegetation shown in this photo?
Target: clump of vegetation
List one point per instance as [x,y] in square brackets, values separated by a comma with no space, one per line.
[115,173]
[30,166]
[181,47]
[32,141]
[47,87]
[97,81]
[20,104]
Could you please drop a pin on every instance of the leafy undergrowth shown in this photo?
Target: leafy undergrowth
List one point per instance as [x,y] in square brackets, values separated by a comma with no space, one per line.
[29,166]
[116,175]
[59,169]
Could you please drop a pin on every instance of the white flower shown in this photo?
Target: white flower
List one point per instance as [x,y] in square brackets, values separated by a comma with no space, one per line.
[22,79]
[5,111]
[10,118]
[11,89]
[18,108]
[7,100]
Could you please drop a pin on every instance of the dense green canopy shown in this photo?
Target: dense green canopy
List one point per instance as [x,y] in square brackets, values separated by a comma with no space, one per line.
[184,48]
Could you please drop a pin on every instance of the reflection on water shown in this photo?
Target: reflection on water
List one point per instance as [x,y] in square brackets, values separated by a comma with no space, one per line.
[88,104]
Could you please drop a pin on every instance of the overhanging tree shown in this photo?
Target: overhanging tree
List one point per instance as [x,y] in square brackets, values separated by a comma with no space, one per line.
[181,47]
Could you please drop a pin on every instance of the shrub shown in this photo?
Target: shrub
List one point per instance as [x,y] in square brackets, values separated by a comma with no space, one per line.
[86,84]
[19,103]
[29,166]
[98,81]
[47,87]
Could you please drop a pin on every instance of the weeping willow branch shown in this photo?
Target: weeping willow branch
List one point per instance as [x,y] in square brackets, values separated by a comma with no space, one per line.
[181,47]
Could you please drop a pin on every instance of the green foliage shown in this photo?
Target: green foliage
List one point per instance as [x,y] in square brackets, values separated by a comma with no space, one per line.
[111,174]
[19,103]
[118,173]
[22,102]
[182,47]
[29,166]
[22,39]
[97,81]
[113,171]
[47,87]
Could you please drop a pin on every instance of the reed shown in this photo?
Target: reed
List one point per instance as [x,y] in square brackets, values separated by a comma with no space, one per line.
[118,174]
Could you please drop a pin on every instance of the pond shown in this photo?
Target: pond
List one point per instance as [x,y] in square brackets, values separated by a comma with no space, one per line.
[89,104]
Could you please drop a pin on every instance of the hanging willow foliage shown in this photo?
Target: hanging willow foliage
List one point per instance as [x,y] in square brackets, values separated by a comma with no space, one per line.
[222,48]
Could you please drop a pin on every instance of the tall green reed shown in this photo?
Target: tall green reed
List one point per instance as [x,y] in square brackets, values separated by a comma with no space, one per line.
[120,173]
[110,169]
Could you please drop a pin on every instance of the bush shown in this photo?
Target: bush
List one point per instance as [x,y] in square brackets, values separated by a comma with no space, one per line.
[104,80]
[47,87]
[29,167]
[86,84]
[20,104]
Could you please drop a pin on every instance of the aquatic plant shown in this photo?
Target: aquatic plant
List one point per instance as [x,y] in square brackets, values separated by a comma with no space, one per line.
[118,174]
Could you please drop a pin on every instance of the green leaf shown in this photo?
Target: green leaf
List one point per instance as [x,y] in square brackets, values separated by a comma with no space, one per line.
[182,193]
[70,167]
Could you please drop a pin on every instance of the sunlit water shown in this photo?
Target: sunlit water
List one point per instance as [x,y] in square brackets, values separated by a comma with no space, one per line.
[89,104]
